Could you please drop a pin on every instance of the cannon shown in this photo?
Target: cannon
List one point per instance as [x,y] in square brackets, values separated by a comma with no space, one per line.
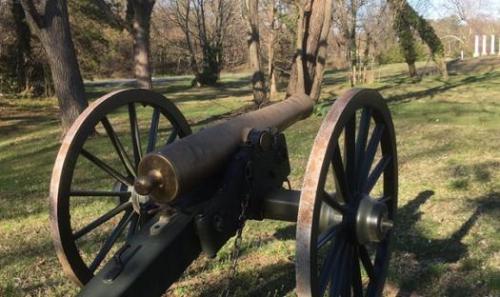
[136,197]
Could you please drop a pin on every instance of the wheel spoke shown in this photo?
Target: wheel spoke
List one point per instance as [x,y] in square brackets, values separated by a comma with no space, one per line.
[328,235]
[357,284]
[329,265]
[328,199]
[385,199]
[371,150]
[339,275]
[136,136]
[132,229]
[380,259]
[85,193]
[101,220]
[364,126]
[105,167]
[110,241]
[346,284]
[350,148]
[367,262]
[153,130]
[376,173]
[172,136]
[118,147]
[338,171]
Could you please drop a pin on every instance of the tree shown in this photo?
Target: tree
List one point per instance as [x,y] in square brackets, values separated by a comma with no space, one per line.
[271,69]
[313,26]
[348,18]
[406,39]
[48,19]
[137,22]
[425,31]
[23,46]
[205,29]
[250,12]
[141,20]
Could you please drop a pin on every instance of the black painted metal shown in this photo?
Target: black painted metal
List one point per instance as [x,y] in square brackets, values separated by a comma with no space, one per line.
[150,263]
[258,168]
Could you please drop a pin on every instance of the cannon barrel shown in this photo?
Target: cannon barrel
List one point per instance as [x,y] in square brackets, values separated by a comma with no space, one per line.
[177,167]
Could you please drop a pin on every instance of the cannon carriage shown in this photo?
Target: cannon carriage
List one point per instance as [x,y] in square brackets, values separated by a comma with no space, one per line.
[173,194]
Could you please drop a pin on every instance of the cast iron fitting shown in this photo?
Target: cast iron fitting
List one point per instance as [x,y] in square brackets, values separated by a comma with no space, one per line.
[372,221]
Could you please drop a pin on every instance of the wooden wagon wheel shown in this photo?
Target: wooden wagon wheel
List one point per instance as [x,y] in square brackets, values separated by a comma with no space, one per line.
[92,202]
[349,256]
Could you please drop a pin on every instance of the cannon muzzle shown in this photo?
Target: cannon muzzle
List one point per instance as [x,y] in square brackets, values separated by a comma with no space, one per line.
[177,167]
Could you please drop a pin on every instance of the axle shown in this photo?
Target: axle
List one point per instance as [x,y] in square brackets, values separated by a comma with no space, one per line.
[176,168]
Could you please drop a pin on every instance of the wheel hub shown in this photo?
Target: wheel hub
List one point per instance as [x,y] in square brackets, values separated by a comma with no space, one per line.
[372,221]
[328,217]
[137,200]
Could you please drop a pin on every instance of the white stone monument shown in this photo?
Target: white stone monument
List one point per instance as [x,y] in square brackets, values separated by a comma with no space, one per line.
[483,51]
[476,46]
[492,49]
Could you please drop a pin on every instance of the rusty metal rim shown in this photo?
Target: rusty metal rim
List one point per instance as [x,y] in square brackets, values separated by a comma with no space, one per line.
[316,171]
[62,174]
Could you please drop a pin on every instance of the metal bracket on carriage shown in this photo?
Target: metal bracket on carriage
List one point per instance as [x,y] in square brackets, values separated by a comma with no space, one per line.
[120,259]
[259,167]
[164,216]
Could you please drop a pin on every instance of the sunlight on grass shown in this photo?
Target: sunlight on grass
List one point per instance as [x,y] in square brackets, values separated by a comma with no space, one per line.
[446,233]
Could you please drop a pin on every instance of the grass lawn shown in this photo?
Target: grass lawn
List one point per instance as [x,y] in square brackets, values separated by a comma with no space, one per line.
[448,228]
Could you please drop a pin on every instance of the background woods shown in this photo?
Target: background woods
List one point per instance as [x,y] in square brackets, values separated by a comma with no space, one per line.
[289,44]
[113,38]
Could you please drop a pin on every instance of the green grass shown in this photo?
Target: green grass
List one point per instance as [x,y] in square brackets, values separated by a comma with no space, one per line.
[447,241]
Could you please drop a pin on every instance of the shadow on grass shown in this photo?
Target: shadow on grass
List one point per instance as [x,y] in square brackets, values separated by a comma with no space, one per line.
[286,233]
[235,87]
[431,92]
[21,123]
[272,280]
[423,254]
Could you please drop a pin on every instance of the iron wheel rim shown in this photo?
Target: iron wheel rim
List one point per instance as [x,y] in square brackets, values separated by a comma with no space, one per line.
[71,148]
[325,148]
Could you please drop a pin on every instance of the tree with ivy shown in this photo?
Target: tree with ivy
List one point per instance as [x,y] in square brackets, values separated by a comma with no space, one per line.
[406,39]
[406,14]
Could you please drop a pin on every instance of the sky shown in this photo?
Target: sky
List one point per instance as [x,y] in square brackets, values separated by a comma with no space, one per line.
[435,9]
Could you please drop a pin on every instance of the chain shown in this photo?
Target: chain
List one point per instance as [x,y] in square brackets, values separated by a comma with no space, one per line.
[235,252]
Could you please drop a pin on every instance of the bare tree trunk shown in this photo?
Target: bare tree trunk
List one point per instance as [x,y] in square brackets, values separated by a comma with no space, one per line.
[351,39]
[182,17]
[23,46]
[296,81]
[137,22]
[366,52]
[310,27]
[272,40]
[140,31]
[321,56]
[250,12]
[49,20]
